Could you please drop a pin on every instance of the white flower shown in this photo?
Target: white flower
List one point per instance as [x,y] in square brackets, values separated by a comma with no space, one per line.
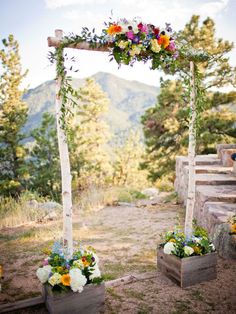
[78,280]
[96,273]
[43,273]
[55,279]
[169,248]
[212,247]
[188,250]
[197,239]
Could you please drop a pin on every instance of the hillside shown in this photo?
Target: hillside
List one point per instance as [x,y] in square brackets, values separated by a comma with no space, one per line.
[128,101]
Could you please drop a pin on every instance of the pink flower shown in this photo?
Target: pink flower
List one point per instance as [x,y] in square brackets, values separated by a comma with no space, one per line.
[143,28]
[130,35]
[45,262]
[171,46]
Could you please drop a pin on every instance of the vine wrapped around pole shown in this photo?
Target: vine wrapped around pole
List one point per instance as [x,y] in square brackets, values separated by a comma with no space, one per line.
[191,155]
[65,164]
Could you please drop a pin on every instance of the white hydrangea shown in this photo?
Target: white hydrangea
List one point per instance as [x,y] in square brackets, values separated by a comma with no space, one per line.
[96,273]
[78,280]
[43,273]
[169,248]
[55,279]
[188,250]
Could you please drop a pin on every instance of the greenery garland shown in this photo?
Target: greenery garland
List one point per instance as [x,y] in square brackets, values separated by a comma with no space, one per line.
[68,94]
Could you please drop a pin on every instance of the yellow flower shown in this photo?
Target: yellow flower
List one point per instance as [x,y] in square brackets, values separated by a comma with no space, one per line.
[123,44]
[172,240]
[197,250]
[135,50]
[233,228]
[65,279]
[155,47]
[46,251]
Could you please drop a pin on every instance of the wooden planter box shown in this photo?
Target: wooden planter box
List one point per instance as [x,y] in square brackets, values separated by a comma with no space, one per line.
[90,301]
[187,271]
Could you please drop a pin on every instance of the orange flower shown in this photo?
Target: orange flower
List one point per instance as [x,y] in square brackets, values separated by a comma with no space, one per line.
[114,29]
[164,41]
[233,228]
[65,279]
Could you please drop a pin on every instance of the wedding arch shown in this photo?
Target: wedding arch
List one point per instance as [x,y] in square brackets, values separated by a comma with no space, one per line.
[126,43]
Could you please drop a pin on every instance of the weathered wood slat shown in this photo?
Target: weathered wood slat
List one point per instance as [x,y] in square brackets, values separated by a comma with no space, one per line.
[8,307]
[91,300]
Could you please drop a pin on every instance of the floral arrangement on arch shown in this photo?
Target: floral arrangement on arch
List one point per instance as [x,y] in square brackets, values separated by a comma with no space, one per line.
[137,41]
[66,274]
[176,243]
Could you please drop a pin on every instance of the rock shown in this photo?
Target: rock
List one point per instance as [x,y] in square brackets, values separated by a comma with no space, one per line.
[150,192]
[32,204]
[49,210]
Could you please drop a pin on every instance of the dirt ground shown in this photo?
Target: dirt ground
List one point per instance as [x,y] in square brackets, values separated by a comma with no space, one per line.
[126,240]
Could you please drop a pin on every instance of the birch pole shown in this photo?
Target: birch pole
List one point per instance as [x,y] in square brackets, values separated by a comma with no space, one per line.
[65,170]
[191,156]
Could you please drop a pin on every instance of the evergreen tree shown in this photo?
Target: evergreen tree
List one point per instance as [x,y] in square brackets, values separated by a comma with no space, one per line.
[44,161]
[166,124]
[128,157]
[90,134]
[13,116]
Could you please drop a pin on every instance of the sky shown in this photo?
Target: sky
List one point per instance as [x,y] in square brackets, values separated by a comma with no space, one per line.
[32,21]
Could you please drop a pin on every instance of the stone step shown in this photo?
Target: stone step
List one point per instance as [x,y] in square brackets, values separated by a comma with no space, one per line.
[182,161]
[211,193]
[211,159]
[216,217]
[215,179]
[212,169]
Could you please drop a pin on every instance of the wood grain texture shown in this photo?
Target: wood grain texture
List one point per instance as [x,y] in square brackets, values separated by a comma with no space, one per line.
[89,301]
[188,271]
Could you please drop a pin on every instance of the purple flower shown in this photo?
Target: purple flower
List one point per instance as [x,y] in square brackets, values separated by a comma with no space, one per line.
[168,28]
[93,259]
[130,35]
[175,55]
[136,39]
[67,266]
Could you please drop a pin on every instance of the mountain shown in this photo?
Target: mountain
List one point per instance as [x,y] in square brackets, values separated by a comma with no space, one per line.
[128,101]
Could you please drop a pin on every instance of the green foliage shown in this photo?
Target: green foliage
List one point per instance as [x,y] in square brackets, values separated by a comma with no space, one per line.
[44,159]
[166,124]
[89,135]
[128,157]
[13,116]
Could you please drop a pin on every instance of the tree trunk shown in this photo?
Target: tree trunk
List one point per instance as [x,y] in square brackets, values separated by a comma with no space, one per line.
[191,157]
[65,172]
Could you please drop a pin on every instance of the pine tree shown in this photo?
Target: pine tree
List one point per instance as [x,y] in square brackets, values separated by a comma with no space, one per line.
[90,134]
[166,124]
[13,116]
[128,157]
[44,159]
